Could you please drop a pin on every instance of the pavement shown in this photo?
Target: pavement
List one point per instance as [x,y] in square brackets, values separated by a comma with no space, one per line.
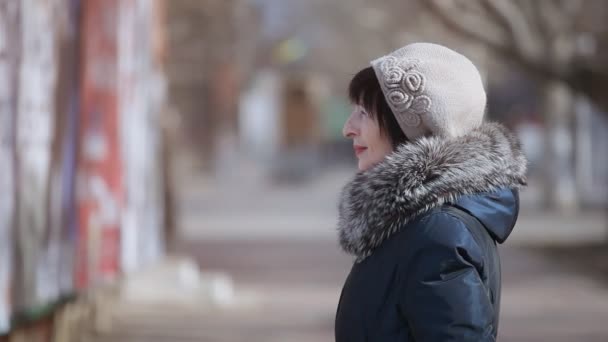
[248,206]
[278,245]
[299,282]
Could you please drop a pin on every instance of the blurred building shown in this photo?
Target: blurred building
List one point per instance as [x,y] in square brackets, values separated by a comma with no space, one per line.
[82,100]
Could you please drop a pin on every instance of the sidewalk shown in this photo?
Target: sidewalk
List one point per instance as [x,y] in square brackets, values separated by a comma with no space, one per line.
[279,246]
[543,300]
[250,209]
[298,284]
[287,290]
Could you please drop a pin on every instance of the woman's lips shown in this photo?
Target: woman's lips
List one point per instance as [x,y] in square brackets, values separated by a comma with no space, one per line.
[359,149]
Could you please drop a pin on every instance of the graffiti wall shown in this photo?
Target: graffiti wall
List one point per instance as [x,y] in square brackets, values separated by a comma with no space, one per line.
[81,92]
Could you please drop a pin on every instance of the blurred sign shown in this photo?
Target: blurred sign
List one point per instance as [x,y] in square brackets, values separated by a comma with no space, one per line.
[100,189]
[290,50]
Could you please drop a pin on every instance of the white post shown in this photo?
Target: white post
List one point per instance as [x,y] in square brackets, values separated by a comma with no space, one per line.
[561,192]
[9,11]
[35,126]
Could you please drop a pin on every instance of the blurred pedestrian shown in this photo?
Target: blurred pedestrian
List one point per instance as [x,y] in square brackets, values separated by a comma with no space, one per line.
[437,189]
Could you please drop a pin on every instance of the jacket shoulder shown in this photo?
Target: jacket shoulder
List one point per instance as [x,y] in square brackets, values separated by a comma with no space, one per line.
[439,230]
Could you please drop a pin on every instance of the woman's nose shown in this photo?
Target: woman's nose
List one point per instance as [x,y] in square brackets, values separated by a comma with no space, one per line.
[348,130]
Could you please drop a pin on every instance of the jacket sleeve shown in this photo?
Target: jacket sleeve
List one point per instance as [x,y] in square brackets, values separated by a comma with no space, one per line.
[444,298]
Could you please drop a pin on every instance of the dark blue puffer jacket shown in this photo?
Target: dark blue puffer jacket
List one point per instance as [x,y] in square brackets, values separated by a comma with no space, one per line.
[420,271]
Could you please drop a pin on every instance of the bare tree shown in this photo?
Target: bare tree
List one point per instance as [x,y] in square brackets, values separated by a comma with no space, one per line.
[553,40]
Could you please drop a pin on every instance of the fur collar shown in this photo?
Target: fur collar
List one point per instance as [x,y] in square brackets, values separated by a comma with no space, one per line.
[420,176]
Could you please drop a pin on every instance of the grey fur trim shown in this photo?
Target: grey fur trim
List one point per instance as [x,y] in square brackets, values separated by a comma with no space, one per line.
[423,175]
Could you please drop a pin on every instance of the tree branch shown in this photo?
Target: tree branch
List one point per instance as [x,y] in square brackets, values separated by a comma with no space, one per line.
[492,9]
[468,25]
[555,16]
[553,27]
[513,17]
[541,25]
[465,26]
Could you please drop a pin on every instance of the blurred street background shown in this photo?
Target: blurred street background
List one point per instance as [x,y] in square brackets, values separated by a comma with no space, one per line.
[171,168]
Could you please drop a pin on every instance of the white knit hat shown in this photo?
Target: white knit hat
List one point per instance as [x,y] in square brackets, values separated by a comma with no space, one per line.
[432,90]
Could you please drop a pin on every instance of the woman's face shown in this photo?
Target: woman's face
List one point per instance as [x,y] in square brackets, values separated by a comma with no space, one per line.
[369,144]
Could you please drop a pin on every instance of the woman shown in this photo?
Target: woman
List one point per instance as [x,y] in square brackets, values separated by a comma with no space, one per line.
[436,190]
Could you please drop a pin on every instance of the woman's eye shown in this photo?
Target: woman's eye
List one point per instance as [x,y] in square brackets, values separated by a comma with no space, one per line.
[363,113]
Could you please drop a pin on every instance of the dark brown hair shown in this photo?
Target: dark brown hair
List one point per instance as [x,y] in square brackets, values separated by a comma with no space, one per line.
[364,90]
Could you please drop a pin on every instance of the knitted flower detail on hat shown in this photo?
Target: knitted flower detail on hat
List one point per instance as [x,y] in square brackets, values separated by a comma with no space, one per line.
[393,77]
[414,82]
[399,99]
[420,105]
[391,63]
[404,88]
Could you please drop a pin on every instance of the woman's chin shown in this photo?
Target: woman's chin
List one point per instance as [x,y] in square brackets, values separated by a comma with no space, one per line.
[363,165]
